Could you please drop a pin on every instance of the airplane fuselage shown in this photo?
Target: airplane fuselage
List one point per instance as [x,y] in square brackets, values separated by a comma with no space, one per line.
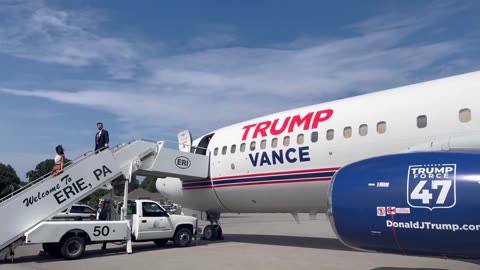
[284,162]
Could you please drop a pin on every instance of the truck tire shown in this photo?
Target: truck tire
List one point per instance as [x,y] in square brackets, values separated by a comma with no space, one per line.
[52,249]
[160,242]
[72,247]
[183,237]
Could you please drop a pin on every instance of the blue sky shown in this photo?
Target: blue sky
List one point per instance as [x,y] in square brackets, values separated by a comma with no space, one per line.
[153,68]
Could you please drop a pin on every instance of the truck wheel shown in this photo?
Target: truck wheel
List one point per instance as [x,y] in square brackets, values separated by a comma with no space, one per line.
[52,249]
[72,248]
[210,233]
[160,242]
[183,237]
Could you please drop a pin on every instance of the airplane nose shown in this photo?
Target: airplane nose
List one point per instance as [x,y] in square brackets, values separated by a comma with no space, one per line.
[160,186]
[169,187]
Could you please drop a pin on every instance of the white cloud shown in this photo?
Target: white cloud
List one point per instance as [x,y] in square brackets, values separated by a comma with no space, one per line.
[210,88]
[212,40]
[37,32]
[205,36]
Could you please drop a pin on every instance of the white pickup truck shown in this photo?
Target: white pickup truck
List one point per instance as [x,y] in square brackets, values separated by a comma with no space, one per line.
[146,221]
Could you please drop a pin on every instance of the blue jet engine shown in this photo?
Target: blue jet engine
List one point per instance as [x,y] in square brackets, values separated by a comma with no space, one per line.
[424,203]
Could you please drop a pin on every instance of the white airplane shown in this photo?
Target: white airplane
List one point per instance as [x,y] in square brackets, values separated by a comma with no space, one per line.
[284,162]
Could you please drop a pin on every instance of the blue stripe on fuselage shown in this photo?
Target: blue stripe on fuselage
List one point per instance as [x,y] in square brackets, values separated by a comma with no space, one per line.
[260,179]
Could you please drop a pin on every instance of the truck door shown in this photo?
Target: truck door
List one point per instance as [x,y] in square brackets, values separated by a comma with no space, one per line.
[154,222]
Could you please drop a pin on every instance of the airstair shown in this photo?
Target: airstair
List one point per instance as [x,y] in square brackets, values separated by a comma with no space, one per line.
[45,197]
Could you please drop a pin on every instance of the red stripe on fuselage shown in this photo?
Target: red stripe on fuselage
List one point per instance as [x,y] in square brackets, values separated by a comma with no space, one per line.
[323,179]
[274,173]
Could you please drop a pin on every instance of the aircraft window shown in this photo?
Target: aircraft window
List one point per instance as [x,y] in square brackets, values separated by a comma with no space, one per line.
[224,150]
[363,130]
[422,121]
[465,115]
[252,146]
[286,141]
[233,149]
[330,134]
[347,132]
[300,139]
[314,137]
[274,142]
[381,127]
[215,152]
[263,144]
[242,147]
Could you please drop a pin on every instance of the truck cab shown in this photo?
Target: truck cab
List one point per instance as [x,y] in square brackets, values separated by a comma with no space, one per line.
[149,220]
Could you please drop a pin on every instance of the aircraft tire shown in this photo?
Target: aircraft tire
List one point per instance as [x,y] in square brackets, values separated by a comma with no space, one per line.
[219,236]
[210,233]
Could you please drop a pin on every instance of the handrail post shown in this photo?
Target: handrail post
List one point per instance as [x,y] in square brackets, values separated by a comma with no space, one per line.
[125,193]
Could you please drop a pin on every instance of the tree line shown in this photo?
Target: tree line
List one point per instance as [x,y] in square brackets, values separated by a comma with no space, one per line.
[9,181]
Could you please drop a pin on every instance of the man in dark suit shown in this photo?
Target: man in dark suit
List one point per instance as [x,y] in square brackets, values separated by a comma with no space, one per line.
[101,138]
[102,215]
[101,211]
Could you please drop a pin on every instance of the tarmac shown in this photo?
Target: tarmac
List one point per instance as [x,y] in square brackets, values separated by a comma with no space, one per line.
[252,241]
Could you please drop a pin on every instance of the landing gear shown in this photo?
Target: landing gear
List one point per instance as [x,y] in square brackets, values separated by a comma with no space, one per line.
[213,231]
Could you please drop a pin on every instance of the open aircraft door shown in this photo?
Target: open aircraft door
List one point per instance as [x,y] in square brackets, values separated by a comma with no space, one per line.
[184,140]
[202,146]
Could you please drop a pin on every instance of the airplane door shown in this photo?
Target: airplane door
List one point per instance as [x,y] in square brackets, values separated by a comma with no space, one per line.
[184,140]
[203,144]
[154,222]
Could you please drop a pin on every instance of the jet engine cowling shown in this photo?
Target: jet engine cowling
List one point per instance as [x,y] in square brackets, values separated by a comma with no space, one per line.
[425,203]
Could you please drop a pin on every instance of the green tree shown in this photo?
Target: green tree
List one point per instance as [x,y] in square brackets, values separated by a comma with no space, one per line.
[149,184]
[119,186]
[133,185]
[8,179]
[93,198]
[43,168]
